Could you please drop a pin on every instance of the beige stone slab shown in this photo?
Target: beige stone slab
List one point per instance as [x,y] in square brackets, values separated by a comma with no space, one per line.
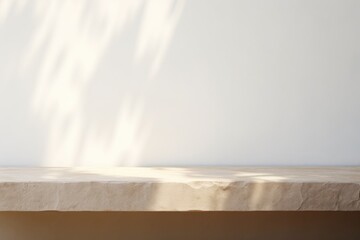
[180,189]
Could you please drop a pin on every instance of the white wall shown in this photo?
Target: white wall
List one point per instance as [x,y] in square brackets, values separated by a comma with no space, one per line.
[192,82]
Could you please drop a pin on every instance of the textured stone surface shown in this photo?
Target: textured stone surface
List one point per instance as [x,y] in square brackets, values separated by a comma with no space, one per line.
[179,189]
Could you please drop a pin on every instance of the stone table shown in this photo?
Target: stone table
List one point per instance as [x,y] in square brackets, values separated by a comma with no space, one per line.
[180,189]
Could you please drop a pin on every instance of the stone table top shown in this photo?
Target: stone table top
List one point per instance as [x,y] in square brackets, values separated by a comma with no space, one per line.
[180,189]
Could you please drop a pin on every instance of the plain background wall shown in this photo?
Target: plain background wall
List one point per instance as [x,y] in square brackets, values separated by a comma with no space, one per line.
[200,82]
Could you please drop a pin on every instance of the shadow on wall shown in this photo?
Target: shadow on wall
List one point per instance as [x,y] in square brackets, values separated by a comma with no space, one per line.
[68,44]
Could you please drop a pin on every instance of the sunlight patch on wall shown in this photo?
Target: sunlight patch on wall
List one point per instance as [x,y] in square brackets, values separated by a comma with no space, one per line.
[70,39]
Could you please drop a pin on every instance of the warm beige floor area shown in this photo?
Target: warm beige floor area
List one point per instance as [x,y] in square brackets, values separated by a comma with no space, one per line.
[180,225]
